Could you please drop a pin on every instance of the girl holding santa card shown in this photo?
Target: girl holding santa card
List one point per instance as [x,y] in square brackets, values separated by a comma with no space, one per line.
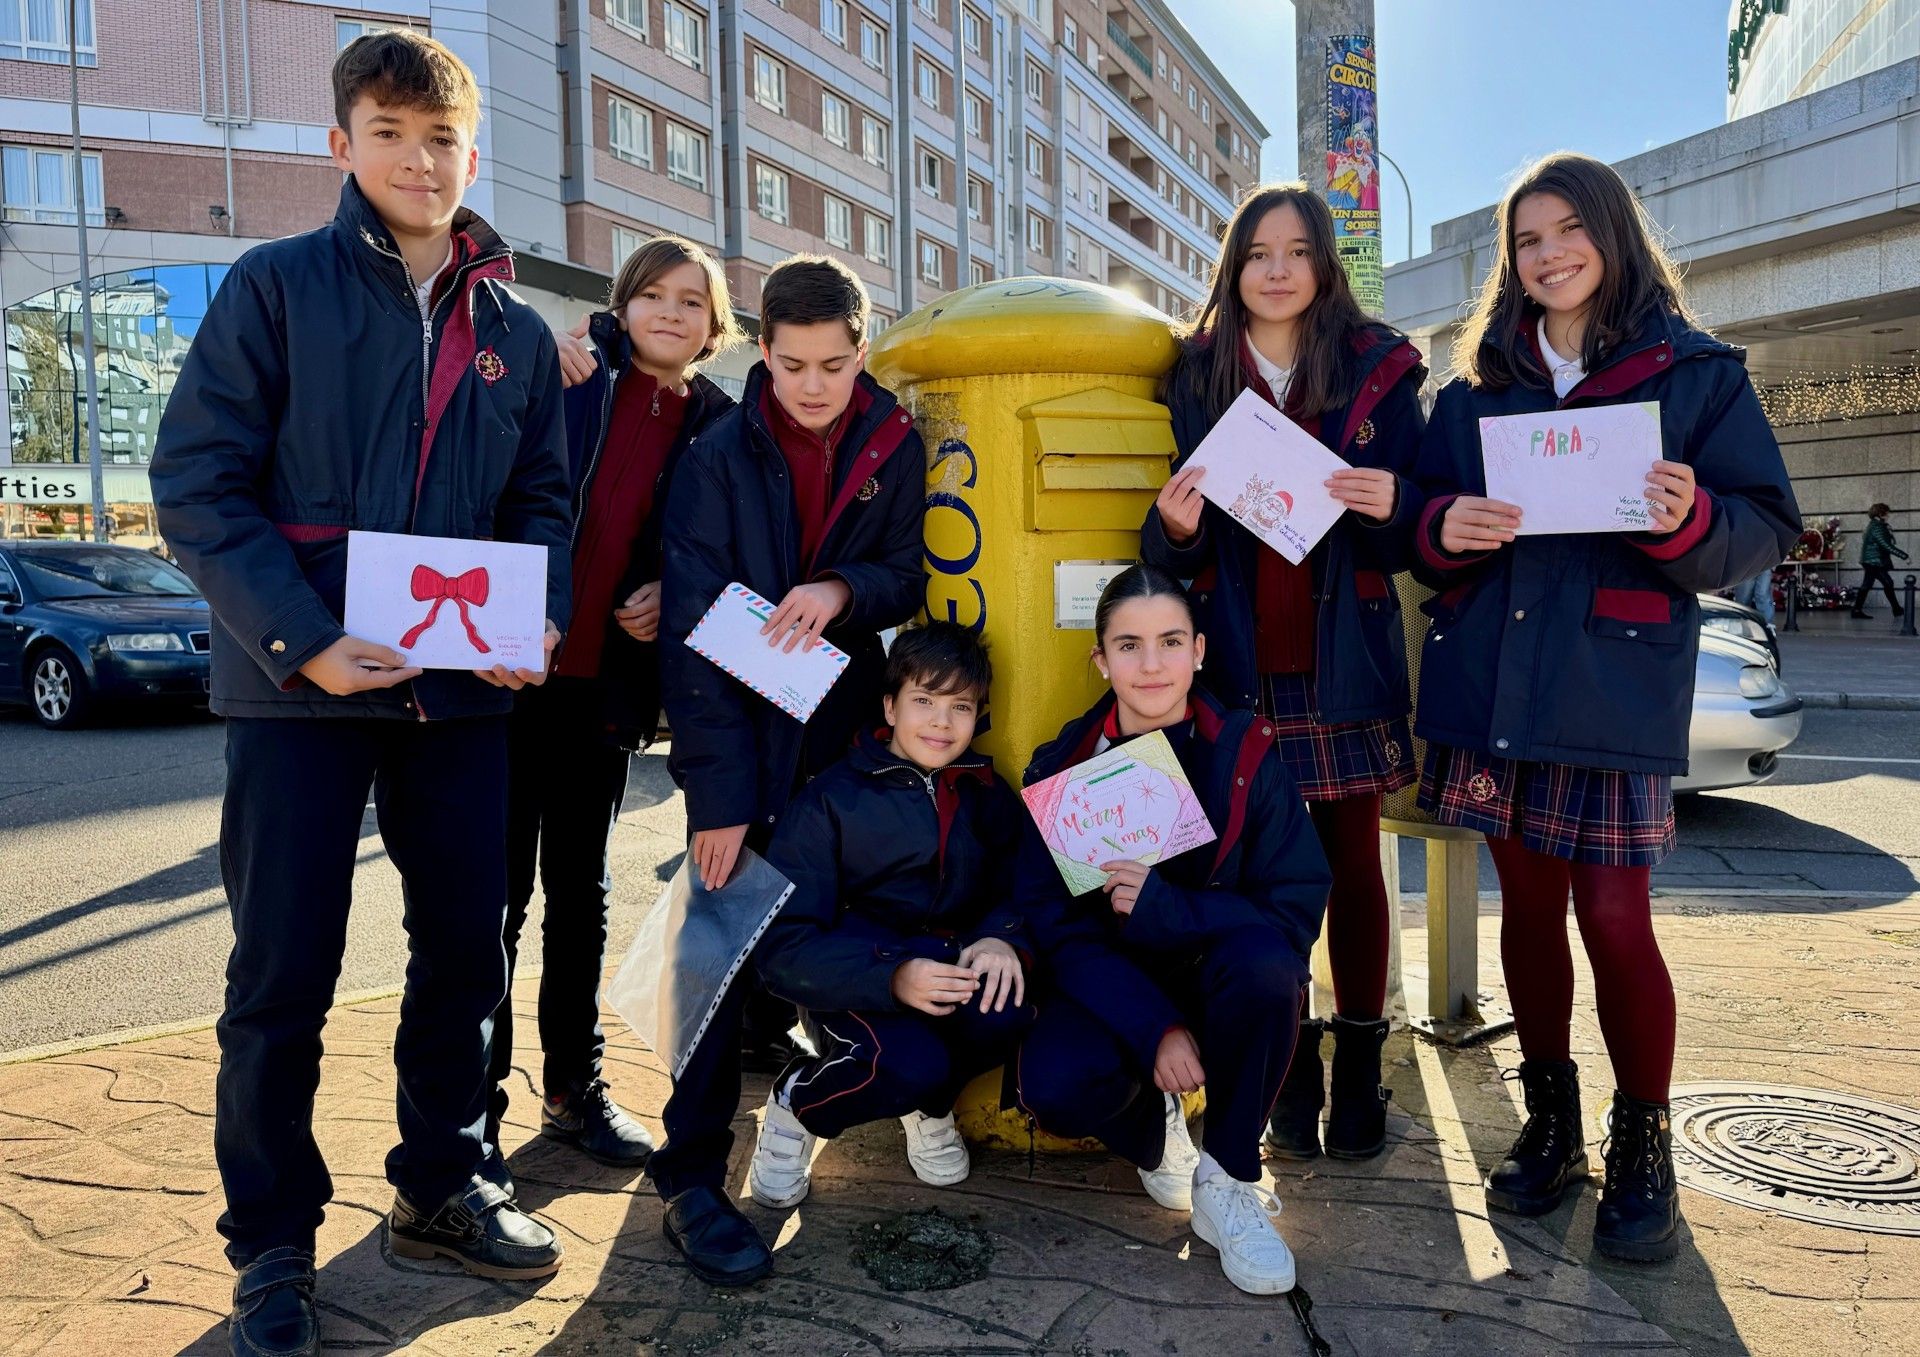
[1316,648]
[1556,683]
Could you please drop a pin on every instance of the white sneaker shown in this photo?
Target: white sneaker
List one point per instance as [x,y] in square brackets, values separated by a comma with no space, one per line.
[935,1150]
[782,1170]
[1171,1184]
[1237,1219]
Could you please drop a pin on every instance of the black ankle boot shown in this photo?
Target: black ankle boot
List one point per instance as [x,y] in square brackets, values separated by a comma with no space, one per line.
[1639,1216]
[1550,1153]
[1293,1132]
[589,1120]
[1357,1114]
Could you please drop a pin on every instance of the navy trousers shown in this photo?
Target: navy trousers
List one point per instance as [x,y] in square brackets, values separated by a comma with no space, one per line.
[1240,996]
[565,793]
[290,832]
[878,1066]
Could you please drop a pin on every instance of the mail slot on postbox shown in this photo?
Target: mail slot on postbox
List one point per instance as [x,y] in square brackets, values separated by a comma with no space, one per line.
[1084,446]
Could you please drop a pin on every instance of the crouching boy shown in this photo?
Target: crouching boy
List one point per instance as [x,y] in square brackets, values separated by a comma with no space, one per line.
[897,943]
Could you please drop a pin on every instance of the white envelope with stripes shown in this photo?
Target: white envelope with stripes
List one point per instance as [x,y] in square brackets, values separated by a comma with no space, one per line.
[795,681]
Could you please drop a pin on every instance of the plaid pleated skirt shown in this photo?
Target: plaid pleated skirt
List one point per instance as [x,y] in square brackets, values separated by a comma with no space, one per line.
[1597,815]
[1331,762]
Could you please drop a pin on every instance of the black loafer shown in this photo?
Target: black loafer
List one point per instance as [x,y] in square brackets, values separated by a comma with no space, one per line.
[479,1228]
[494,1169]
[273,1307]
[591,1122]
[719,1243]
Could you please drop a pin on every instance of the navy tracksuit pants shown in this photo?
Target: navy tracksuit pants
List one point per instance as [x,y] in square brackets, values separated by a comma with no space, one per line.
[1240,996]
[290,833]
[875,1066]
[566,791]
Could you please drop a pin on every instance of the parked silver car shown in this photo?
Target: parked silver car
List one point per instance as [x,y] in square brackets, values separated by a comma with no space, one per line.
[1744,713]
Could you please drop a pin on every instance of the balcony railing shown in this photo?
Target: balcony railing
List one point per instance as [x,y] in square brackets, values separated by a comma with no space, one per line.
[1221,144]
[1118,36]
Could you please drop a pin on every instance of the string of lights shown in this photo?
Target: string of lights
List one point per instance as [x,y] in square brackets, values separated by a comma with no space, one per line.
[1862,392]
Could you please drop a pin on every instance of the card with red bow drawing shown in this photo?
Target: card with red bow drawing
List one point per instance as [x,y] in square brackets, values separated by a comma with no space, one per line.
[447,602]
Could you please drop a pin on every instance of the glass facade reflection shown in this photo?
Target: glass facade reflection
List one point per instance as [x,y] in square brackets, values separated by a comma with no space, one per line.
[1814,44]
[143,322]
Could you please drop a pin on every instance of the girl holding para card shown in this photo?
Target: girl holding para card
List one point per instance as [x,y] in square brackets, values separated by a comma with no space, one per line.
[1316,648]
[1185,973]
[1557,676]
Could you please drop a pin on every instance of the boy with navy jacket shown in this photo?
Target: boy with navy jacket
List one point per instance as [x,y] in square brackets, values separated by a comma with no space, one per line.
[440,417]
[899,941]
[809,492]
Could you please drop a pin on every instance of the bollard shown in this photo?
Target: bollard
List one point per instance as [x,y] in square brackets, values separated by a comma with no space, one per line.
[1906,617]
[1793,602]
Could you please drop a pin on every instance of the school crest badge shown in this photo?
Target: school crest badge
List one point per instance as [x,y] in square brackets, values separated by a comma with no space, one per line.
[868,490]
[1364,434]
[489,365]
[1392,751]
[1481,787]
[1262,503]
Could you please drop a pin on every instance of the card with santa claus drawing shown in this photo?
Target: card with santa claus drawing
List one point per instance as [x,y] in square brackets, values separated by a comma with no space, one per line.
[1270,476]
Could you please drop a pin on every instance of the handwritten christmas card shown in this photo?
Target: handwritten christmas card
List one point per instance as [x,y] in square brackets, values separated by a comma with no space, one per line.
[794,681]
[1269,474]
[449,602]
[1132,803]
[1578,470]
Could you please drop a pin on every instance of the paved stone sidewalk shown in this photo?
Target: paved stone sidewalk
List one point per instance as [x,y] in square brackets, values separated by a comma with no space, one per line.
[108,1199]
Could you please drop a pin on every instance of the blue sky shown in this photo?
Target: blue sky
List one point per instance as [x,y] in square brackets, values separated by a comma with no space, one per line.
[1471,90]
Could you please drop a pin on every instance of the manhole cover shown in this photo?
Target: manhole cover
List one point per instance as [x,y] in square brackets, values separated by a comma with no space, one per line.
[1805,1153]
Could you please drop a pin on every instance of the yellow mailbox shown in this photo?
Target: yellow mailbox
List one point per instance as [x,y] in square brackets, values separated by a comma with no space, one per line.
[1045,445]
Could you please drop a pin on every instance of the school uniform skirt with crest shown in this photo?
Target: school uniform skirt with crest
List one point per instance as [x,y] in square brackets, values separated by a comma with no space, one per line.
[1333,762]
[1603,816]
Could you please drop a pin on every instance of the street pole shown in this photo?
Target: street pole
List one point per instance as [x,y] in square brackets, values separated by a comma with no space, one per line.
[86,281]
[1337,116]
[1407,189]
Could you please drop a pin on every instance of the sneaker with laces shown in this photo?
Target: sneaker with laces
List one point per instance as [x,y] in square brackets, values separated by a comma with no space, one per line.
[1171,1184]
[935,1150]
[1237,1219]
[782,1170]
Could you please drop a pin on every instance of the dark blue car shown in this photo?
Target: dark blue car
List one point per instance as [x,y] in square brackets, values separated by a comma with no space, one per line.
[84,624]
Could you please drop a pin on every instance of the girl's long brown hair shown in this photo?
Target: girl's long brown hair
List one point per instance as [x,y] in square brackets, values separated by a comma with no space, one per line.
[1323,370]
[1492,349]
[659,256]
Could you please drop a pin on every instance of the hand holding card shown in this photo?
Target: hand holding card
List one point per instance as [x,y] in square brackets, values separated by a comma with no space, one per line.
[735,634]
[1132,804]
[1270,475]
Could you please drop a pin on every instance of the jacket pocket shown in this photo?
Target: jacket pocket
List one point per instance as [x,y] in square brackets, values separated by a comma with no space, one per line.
[1643,615]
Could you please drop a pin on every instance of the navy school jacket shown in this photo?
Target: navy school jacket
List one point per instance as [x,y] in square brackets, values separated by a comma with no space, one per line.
[1360,655]
[1266,869]
[314,402]
[731,516]
[888,864]
[628,688]
[1580,648]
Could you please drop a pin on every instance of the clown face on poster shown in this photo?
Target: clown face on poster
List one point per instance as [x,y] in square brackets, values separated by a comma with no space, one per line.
[1353,165]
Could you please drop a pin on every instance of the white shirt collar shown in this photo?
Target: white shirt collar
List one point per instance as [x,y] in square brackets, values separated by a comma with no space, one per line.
[1567,372]
[1275,376]
[423,293]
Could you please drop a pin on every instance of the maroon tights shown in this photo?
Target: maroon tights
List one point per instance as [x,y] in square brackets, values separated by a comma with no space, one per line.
[1634,993]
[1349,831]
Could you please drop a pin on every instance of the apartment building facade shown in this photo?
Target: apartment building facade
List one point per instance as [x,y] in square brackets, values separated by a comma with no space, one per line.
[930,144]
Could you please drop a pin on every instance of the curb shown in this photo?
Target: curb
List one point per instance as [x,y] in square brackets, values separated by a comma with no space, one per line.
[1863,701]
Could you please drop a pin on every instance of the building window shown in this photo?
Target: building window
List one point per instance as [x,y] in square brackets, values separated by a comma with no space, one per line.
[630,15]
[973,27]
[930,173]
[839,222]
[1036,233]
[38,186]
[926,83]
[873,141]
[686,156]
[344,30]
[836,118]
[770,192]
[1160,121]
[976,116]
[1160,63]
[686,36]
[1193,95]
[932,266]
[1206,110]
[1206,164]
[1070,35]
[1193,158]
[630,132]
[1073,251]
[625,242]
[1176,79]
[1236,141]
[1179,199]
[1036,11]
[977,271]
[1036,82]
[879,239]
[873,45]
[833,20]
[769,83]
[1176,138]
[1036,157]
[930,8]
[976,199]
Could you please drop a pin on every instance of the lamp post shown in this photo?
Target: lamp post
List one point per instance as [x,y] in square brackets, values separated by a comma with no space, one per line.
[1409,192]
[86,282]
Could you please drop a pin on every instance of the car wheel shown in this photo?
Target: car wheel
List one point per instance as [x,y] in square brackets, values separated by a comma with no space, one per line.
[57,689]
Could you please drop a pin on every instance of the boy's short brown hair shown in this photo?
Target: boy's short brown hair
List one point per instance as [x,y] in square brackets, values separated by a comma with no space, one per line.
[399,67]
[810,288]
